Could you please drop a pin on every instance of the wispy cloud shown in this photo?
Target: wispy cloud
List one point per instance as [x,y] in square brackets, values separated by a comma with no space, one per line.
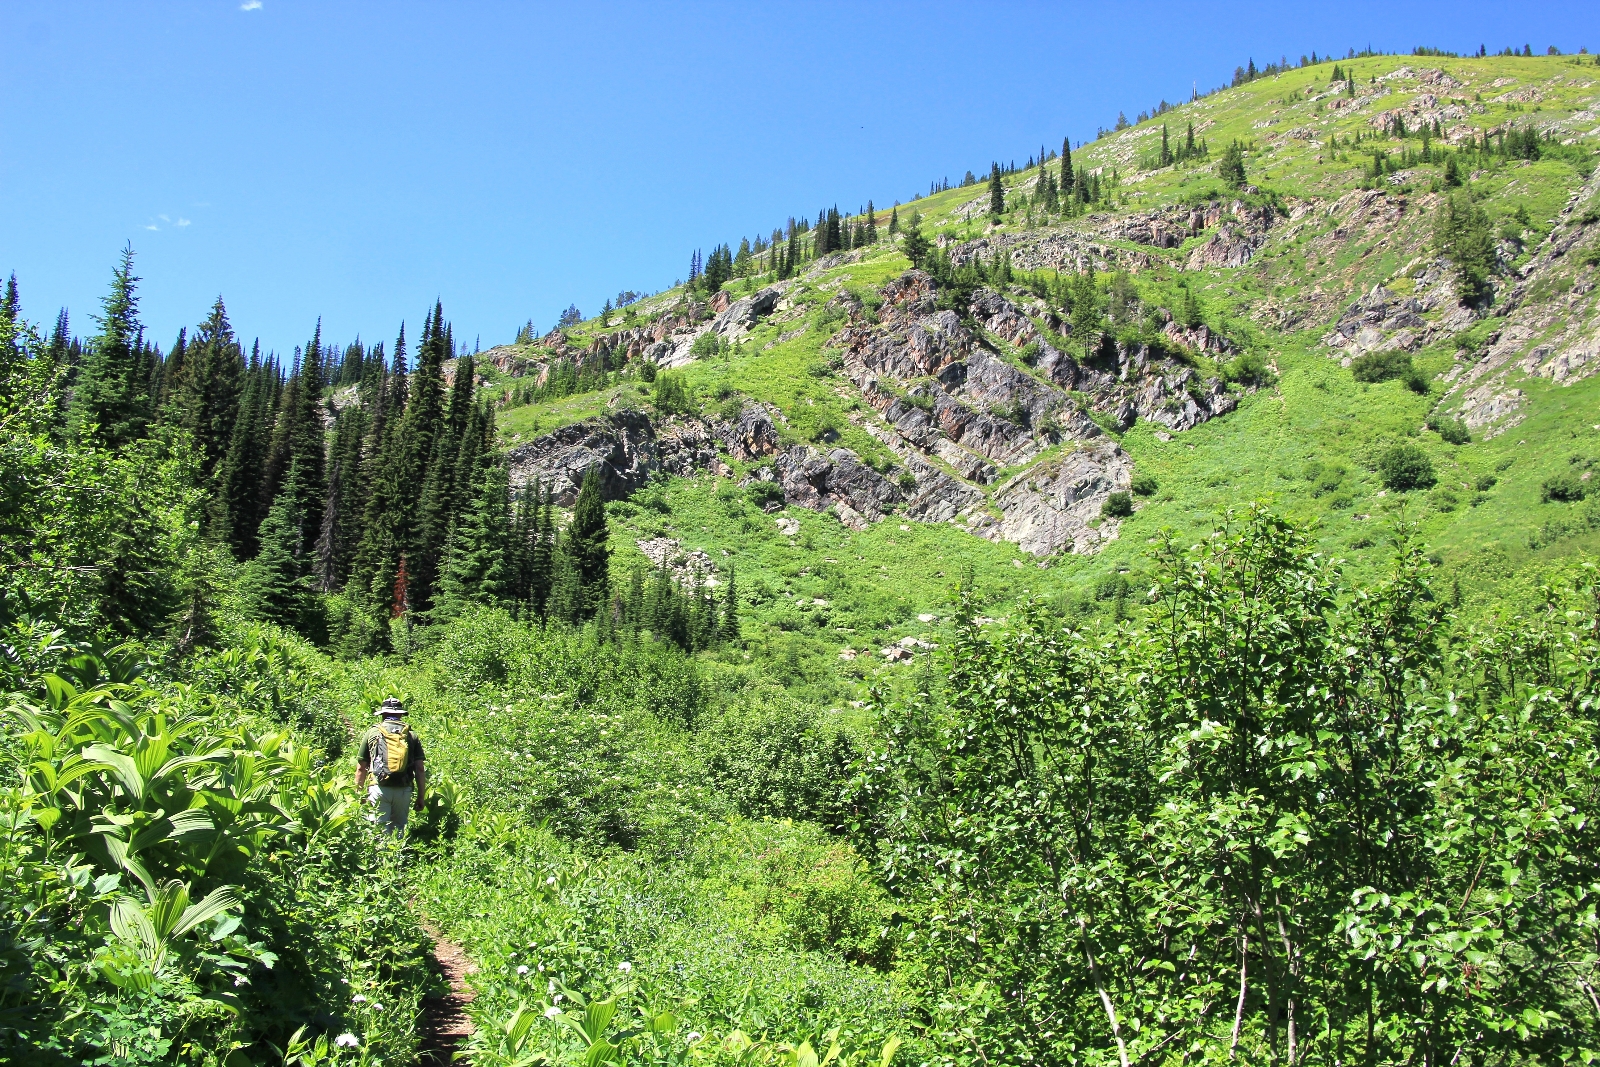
[163,218]
[152,226]
[250,5]
[182,221]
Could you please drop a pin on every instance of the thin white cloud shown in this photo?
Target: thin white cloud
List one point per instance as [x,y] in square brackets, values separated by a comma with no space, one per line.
[152,226]
[250,5]
[163,218]
[182,221]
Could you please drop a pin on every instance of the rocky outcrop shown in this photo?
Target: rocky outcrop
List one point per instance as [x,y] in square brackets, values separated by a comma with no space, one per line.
[742,315]
[1055,507]
[752,434]
[838,479]
[626,447]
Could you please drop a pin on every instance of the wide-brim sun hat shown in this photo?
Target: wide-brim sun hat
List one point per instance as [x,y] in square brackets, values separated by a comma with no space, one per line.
[390,707]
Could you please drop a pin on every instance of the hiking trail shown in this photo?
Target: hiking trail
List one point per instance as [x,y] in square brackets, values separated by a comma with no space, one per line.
[445,1025]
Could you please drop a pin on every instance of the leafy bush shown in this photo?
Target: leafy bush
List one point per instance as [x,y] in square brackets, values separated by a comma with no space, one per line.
[1144,485]
[1386,366]
[1452,431]
[763,493]
[1566,487]
[672,394]
[1404,467]
[1249,369]
[1118,505]
[184,883]
[1173,785]
[705,345]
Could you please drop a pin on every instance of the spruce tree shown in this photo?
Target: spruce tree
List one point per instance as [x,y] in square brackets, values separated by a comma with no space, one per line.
[729,630]
[113,388]
[477,568]
[207,396]
[997,193]
[1066,167]
[272,586]
[584,544]
[894,220]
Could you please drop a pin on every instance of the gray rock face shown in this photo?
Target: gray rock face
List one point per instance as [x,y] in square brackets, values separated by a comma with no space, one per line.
[1049,509]
[1377,320]
[814,480]
[753,434]
[626,447]
[742,315]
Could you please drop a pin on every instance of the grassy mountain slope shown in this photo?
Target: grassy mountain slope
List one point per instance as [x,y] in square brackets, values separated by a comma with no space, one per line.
[1316,231]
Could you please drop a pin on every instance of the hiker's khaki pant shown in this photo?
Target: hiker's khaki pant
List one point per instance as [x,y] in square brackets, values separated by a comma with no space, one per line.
[391,806]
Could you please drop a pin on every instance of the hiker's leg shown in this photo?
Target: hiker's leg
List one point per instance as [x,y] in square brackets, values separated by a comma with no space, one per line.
[396,807]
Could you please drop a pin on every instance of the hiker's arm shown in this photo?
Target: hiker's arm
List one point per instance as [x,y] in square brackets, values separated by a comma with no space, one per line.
[422,783]
[361,774]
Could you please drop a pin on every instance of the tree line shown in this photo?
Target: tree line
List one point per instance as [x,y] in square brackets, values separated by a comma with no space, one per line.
[349,494]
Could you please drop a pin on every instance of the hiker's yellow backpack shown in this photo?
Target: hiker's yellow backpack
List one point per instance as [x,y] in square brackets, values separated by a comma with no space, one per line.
[392,753]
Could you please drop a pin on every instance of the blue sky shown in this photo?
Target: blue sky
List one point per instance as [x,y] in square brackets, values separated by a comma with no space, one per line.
[355,160]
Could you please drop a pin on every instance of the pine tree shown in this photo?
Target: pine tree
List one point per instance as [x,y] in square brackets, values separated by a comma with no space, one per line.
[477,568]
[1066,168]
[997,193]
[584,544]
[207,394]
[113,388]
[894,219]
[1166,150]
[729,630]
[272,586]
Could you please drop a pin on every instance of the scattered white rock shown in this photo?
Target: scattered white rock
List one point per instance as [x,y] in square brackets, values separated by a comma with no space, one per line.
[788,527]
[926,618]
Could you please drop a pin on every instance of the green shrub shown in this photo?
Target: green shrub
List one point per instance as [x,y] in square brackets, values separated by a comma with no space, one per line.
[1452,431]
[1144,485]
[907,481]
[672,394]
[1248,369]
[1566,487]
[1404,467]
[1118,505]
[764,493]
[707,344]
[1386,366]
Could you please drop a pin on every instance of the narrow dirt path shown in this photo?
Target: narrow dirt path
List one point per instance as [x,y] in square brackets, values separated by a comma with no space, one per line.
[445,1025]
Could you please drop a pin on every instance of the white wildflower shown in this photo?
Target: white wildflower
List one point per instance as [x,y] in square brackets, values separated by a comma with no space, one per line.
[694,1035]
[347,1041]
[523,969]
[624,966]
[550,880]
[551,1012]
[358,999]
[377,1007]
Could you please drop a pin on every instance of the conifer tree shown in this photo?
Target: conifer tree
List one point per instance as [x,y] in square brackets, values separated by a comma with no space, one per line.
[113,388]
[272,586]
[477,568]
[1066,167]
[168,374]
[584,546]
[207,392]
[997,193]
[237,511]
[1166,149]
[729,630]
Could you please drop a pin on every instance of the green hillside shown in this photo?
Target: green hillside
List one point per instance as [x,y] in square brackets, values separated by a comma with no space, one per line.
[1137,608]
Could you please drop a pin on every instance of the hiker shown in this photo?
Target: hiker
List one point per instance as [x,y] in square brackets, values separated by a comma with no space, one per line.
[392,755]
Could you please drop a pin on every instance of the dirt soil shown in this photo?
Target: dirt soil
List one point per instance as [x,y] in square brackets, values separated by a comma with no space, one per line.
[445,1024]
